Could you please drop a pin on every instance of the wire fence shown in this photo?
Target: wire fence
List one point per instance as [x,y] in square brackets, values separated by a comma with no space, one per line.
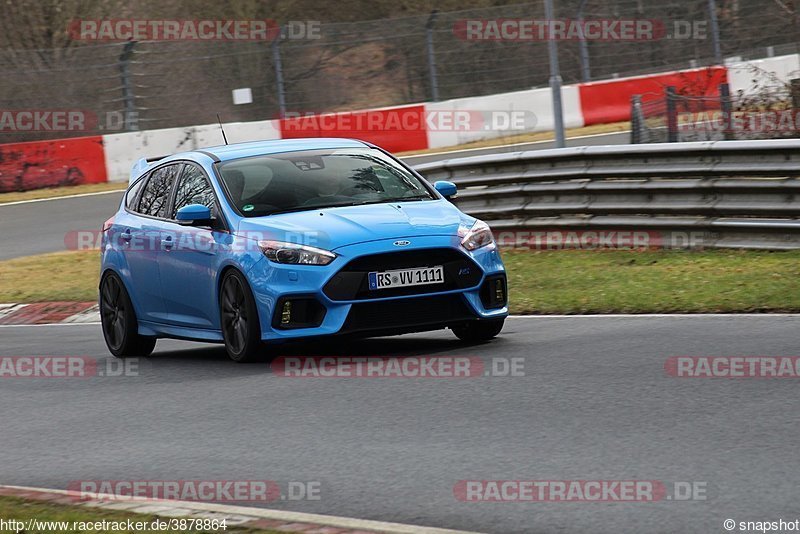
[771,113]
[355,65]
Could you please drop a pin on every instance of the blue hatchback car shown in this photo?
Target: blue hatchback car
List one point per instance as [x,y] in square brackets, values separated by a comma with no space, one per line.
[272,241]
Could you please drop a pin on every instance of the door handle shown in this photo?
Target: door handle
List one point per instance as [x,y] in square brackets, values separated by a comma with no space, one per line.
[126,235]
[167,242]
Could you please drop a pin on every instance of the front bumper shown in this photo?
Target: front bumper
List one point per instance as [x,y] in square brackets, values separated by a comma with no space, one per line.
[334,299]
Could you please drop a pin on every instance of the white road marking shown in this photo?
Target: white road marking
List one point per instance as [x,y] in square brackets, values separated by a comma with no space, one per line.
[79,195]
[8,309]
[92,315]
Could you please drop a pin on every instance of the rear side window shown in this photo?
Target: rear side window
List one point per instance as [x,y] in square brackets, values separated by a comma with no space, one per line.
[193,188]
[155,196]
[133,194]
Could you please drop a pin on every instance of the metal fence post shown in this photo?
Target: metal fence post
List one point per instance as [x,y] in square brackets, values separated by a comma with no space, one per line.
[727,110]
[586,73]
[672,115]
[712,16]
[278,66]
[431,56]
[795,89]
[555,78]
[128,98]
[637,120]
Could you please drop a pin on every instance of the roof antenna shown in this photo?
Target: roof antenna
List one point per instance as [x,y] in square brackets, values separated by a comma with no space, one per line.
[221,129]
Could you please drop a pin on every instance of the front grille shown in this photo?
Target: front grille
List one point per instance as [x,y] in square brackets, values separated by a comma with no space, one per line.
[352,282]
[407,314]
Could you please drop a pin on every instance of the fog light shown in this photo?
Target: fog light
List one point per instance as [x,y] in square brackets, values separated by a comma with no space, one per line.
[494,292]
[298,311]
[499,292]
[286,312]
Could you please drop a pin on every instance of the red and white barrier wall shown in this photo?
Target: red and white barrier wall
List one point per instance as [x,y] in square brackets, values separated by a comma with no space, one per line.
[398,129]
[79,160]
[122,150]
[610,100]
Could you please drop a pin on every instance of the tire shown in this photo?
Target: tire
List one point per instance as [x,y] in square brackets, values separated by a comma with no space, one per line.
[120,327]
[477,331]
[239,319]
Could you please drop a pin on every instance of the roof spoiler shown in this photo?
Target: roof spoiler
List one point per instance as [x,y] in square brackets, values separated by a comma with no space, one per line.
[141,165]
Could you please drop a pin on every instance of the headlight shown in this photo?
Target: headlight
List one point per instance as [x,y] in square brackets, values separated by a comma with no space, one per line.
[294,254]
[480,235]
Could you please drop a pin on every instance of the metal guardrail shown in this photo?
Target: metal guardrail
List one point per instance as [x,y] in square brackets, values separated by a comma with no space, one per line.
[723,194]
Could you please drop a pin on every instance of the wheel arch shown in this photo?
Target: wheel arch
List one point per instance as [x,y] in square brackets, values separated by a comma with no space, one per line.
[221,277]
[112,269]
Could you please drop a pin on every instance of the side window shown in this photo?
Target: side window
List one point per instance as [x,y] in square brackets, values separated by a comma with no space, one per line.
[193,188]
[133,194]
[155,196]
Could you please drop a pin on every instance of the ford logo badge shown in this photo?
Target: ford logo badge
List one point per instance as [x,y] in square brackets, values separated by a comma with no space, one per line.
[402,243]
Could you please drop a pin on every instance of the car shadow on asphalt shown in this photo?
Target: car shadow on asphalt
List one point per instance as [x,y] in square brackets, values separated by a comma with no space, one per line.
[395,346]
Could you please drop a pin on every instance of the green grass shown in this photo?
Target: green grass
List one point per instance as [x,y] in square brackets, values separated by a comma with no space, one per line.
[71,276]
[563,281]
[671,281]
[22,510]
[53,192]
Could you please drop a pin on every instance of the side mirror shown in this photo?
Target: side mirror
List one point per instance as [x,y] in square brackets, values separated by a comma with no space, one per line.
[194,215]
[446,189]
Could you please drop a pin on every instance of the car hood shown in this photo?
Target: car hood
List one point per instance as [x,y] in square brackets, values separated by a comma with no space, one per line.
[330,228]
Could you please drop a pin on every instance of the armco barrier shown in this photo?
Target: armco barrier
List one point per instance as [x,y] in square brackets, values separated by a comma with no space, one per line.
[728,194]
[38,164]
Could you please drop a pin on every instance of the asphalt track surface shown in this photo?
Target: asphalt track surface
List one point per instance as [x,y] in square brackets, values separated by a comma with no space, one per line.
[594,404]
[39,227]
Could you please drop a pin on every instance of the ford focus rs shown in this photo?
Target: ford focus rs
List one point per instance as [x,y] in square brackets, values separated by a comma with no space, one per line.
[272,241]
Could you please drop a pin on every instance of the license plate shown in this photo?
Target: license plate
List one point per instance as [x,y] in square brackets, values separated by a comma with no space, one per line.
[406,277]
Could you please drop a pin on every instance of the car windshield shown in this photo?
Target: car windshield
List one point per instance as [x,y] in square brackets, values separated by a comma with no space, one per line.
[298,181]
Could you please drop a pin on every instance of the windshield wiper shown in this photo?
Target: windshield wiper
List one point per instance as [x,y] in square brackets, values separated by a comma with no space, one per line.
[305,208]
[391,200]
